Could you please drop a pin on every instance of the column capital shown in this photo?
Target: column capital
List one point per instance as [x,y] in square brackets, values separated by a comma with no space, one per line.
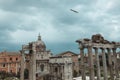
[81,48]
[89,46]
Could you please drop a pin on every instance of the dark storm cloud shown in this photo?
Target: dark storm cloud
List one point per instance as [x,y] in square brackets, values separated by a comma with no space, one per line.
[9,47]
[21,20]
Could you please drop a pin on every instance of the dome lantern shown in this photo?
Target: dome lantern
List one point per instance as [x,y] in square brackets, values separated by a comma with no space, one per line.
[40,45]
[39,37]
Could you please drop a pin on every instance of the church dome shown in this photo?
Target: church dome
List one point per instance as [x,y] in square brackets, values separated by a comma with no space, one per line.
[40,45]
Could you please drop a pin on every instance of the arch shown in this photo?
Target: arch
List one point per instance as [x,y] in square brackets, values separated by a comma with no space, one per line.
[56,69]
[42,67]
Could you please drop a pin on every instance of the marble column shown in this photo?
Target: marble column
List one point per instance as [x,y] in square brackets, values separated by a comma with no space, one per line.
[104,64]
[97,63]
[91,65]
[116,64]
[32,75]
[82,63]
[22,65]
[30,68]
[62,68]
[51,71]
[110,64]
[34,61]
[58,72]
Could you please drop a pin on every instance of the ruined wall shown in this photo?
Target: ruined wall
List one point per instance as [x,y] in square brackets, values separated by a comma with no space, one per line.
[61,68]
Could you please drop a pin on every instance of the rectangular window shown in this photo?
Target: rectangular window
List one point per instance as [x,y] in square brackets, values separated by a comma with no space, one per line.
[3,65]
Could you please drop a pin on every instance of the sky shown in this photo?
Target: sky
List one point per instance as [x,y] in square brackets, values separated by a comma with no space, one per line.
[22,20]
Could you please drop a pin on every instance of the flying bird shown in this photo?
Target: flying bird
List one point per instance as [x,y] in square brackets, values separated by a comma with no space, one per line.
[74,11]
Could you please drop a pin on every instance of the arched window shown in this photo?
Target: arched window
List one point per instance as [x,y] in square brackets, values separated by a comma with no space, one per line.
[3,65]
[10,59]
[42,67]
[56,69]
[16,59]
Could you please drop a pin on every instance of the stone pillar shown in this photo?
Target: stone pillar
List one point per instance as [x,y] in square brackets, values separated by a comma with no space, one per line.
[34,61]
[110,64]
[22,65]
[58,71]
[116,64]
[91,65]
[48,68]
[32,75]
[104,64]
[97,63]
[30,68]
[82,63]
[62,71]
[37,67]
[51,71]
[65,71]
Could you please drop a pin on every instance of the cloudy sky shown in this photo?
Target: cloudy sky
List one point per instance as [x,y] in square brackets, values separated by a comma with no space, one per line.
[22,20]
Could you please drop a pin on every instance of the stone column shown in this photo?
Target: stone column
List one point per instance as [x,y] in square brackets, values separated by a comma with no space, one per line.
[37,67]
[58,72]
[32,75]
[116,64]
[110,64]
[30,68]
[82,63]
[104,64]
[34,61]
[91,65]
[62,71]
[51,71]
[65,71]
[97,63]
[48,68]
[22,65]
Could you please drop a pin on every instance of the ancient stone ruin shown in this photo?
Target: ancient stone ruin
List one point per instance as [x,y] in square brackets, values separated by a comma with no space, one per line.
[97,44]
[42,65]
[101,62]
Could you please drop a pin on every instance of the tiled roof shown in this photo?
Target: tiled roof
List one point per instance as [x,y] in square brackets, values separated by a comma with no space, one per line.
[11,53]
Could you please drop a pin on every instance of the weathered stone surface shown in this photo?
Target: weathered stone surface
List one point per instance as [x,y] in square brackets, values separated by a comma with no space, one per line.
[97,41]
[61,68]
[37,59]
